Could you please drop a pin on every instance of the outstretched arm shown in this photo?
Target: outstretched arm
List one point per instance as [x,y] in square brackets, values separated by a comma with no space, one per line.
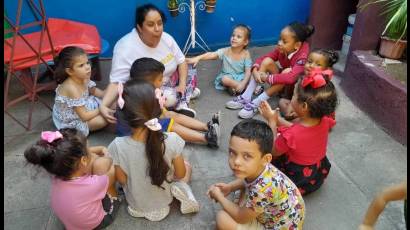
[205,56]
[392,193]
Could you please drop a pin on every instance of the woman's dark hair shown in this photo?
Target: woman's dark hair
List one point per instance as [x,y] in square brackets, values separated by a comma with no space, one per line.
[140,106]
[321,101]
[143,69]
[301,31]
[331,56]
[60,157]
[142,11]
[65,59]
[255,130]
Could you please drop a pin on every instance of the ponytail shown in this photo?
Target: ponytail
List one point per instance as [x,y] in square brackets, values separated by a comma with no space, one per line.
[141,105]
[155,150]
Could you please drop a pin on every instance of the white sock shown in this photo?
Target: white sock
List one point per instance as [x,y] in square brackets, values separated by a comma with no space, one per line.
[249,90]
[263,97]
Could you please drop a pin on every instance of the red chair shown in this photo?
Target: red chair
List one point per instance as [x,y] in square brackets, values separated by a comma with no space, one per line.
[25,52]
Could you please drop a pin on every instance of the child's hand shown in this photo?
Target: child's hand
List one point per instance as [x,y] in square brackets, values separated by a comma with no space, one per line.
[194,61]
[181,89]
[267,112]
[263,77]
[214,193]
[257,76]
[225,188]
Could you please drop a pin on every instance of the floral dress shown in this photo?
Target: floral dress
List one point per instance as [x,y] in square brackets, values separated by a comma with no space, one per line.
[64,115]
[276,199]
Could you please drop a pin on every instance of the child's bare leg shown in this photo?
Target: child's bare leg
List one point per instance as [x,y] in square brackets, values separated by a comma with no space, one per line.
[225,221]
[104,165]
[269,65]
[229,82]
[189,135]
[188,173]
[274,89]
[188,122]
[97,123]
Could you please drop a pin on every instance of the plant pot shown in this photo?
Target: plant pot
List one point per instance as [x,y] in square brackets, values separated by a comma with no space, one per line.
[173,12]
[210,6]
[391,48]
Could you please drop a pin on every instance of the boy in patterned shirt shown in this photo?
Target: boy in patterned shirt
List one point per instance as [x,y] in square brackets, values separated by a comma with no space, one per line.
[271,199]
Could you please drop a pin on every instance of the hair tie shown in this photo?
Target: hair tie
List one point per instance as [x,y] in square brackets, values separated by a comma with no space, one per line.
[161,98]
[51,136]
[153,124]
[120,101]
[316,79]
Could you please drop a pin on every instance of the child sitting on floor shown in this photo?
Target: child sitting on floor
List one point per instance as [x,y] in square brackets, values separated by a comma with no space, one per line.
[236,61]
[272,201]
[83,194]
[190,129]
[300,148]
[149,163]
[77,97]
[318,60]
[291,53]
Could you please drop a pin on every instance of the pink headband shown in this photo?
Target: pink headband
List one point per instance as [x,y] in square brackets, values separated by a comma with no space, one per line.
[50,136]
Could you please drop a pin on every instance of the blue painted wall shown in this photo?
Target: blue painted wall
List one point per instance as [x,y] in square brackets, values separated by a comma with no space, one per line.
[114,18]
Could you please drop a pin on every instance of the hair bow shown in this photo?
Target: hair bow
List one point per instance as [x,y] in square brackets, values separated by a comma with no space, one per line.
[50,136]
[121,101]
[153,124]
[161,98]
[316,79]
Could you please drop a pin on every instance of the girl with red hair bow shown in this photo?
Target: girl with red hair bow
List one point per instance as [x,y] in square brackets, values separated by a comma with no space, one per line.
[318,60]
[299,148]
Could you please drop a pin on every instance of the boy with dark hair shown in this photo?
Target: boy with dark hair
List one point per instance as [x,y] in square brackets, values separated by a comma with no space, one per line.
[271,200]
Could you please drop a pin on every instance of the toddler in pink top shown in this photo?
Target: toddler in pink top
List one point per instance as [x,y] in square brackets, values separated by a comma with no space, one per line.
[300,148]
[83,195]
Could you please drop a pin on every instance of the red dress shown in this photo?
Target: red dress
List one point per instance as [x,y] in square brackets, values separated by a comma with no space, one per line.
[304,158]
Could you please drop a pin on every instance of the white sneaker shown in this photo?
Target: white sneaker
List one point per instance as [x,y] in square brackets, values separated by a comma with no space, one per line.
[183,193]
[152,216]
[196,93]
[182,108]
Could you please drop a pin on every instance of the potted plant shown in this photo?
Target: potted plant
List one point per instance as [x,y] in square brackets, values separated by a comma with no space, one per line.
[173,7]
[394,37]
[210,5]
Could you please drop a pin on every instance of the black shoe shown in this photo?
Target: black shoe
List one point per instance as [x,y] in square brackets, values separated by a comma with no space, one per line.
[186,111]
[216,119]
[212,136]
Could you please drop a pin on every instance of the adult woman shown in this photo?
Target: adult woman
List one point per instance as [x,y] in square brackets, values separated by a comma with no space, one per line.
[147,39]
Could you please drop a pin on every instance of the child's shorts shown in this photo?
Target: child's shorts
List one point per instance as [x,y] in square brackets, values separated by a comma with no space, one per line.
[111,206]
[123,129]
